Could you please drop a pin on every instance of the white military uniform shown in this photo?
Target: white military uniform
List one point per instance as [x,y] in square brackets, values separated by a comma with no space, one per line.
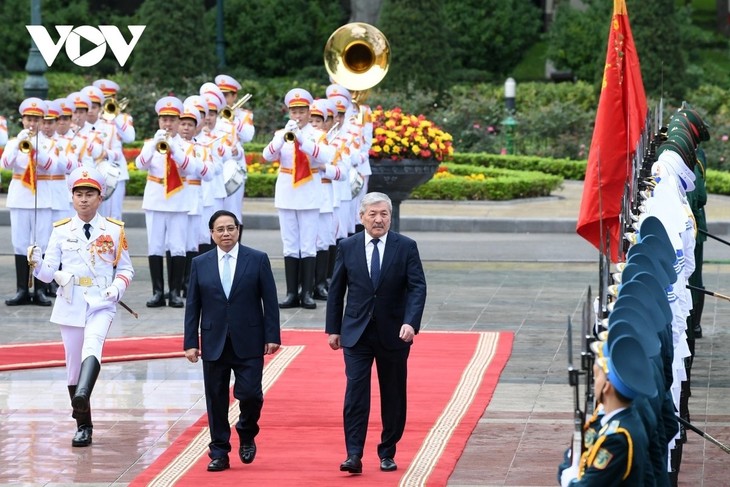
[3,131]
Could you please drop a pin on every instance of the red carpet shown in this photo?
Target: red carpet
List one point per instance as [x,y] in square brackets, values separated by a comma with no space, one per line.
[50,354]
[452,377]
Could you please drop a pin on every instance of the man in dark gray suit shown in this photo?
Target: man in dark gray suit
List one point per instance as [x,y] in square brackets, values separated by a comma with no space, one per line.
[383,313]
[232,301]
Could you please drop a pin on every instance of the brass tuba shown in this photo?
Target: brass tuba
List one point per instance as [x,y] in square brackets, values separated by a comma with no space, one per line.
[357,56]
[111,108]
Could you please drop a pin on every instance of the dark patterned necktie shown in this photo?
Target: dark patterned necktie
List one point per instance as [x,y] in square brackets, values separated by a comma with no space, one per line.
[375,263]
[87,230]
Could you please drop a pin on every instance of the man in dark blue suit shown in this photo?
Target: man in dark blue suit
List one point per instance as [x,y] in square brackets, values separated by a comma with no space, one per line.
[383,313]
[232,300]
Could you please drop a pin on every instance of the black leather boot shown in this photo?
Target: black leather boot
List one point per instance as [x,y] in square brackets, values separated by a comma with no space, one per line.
[291,271]
[189,256]
[90,368]
[22,273]
[178,273]
[320,276]
[158,282]
[308,265]
[39,294]
[168,265]
[84,427]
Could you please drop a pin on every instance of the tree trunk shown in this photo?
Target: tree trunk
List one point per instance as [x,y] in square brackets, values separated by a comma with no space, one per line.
[367,11]
[723,17]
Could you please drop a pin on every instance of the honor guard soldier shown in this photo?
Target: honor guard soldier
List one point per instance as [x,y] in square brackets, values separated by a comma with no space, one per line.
[122,126]
[301,152]
[33,158]
[345,138]
[165,201]
[96,271]
[234,162]
[56,182]
[243,118]
[617,453]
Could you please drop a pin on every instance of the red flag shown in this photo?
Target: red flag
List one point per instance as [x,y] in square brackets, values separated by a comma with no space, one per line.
[620,120]
[173,181]
[29,177]
[301,171]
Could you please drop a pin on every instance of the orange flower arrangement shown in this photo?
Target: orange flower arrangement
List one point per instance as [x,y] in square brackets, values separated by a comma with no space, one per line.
[398,135]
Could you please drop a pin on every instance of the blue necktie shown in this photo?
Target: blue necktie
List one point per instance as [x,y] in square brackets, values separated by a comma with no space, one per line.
[87,230]
[375,263]
[226,280]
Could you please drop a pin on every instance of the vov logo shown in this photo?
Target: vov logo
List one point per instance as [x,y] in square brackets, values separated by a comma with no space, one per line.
[71,37]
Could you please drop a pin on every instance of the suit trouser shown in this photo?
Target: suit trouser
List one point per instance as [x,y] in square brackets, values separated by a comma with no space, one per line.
[392,367]
[247,389]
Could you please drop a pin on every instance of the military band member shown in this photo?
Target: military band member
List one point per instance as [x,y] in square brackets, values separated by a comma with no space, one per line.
[3,131]
[229,137]
[96,272]
[55,182]
[344,139]
[32,157]
[214,191]
[64,136]
[301,152]
[165,201]
[326,228]
[123,127]
[243,117]
[190,121]
[85,145]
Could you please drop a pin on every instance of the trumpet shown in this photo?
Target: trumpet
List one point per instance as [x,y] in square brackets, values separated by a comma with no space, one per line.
[229,113]
[112,108]
[163,146]
[25,145]
[290,136]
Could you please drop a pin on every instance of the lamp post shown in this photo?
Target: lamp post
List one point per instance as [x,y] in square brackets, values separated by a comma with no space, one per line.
[509,123]
[35,83]
[220,41]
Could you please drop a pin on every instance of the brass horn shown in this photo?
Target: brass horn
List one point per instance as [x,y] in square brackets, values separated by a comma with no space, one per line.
[357,56]
[25,145]
[228,113]
[290,136]
[111,108]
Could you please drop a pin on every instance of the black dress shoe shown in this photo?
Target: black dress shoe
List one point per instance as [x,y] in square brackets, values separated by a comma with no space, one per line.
[247,452]
[219,464]
[82,436]
[388,465]
[351,465]
[697,329]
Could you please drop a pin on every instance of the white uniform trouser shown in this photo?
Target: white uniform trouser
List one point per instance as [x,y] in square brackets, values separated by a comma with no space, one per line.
[344,219]
[325,231]
[234,202]
[356,203]
[206,213]
[112,207]
[193,236]
[27,223]
[166,230]
[81,342]
[299,232]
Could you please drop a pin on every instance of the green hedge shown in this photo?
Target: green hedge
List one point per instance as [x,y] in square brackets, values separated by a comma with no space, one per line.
[565,168]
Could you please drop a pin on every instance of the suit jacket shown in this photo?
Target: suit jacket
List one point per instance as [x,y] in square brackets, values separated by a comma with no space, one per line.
[399,297]
[250,315]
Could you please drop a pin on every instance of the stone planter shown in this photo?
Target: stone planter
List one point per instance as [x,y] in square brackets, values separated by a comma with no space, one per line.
[398,179]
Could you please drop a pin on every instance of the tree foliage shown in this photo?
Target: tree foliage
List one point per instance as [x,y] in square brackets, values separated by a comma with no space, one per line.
[175,44]
[267,38]
[490,36]
[659,31]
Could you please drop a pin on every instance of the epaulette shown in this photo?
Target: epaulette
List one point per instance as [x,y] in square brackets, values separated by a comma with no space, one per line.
[61,222]
[612,427]
[115,221]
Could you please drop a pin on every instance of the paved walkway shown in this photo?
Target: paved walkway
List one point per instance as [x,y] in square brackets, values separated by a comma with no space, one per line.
[525,283]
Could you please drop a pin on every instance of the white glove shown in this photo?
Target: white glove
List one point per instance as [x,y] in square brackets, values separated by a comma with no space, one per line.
[568,475]
[35,255]
[300,136]
[160,135]
[111,294]
[291,126]
[24,134]
[277,141]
